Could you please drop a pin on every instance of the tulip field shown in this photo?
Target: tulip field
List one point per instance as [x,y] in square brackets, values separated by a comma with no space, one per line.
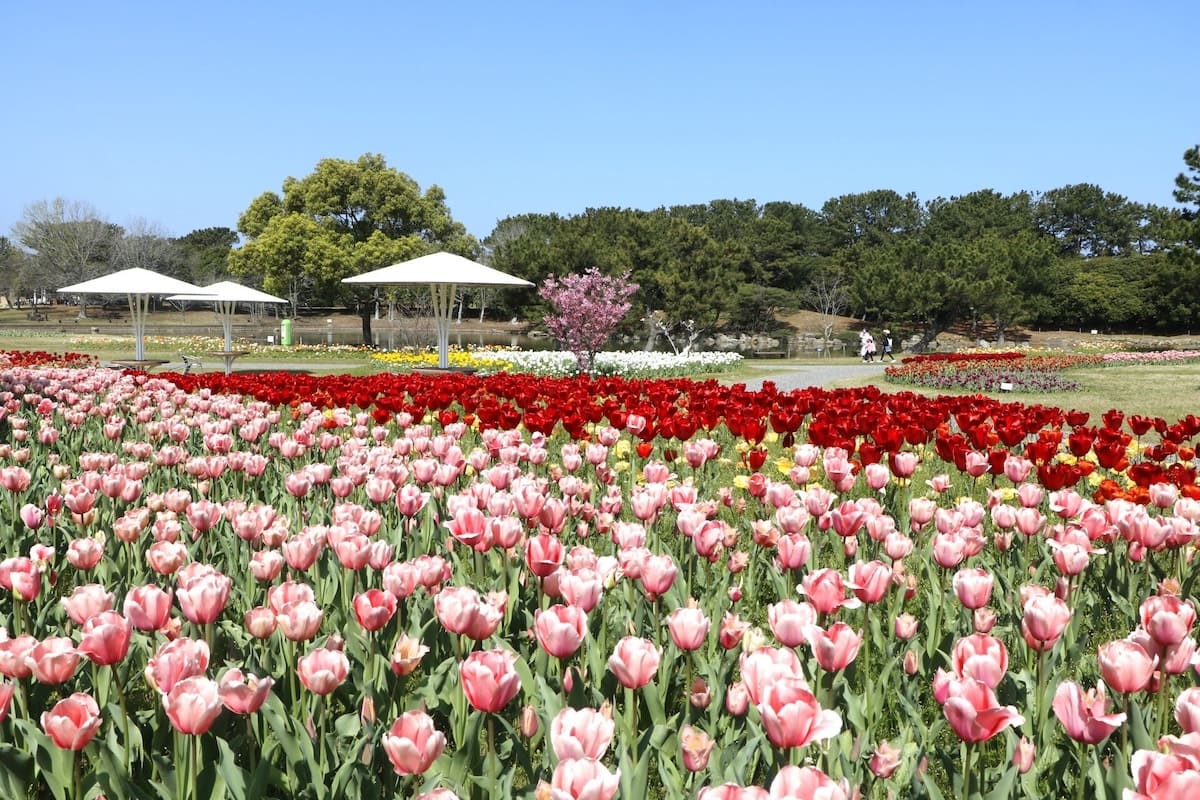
[270,585]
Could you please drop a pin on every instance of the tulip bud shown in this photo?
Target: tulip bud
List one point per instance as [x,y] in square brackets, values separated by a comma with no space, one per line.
[735,593]
[1024,754]
[569,680]
[366,712]
[911,663]
[700,696]
[529,722]
[737,699]
[906,626]
[985,620]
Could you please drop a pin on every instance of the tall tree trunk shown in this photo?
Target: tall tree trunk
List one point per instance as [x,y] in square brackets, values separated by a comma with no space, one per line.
[364,314]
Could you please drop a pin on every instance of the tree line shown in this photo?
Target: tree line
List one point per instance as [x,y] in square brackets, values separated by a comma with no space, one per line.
[1072,257]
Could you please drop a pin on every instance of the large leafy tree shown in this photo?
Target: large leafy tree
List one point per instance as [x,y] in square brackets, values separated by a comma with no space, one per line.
[1087,221]
[344,218]
[872,218]
[1178,283]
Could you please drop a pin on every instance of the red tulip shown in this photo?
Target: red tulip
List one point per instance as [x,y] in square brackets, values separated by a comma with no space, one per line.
[489,679]
[413,743]
[72,722]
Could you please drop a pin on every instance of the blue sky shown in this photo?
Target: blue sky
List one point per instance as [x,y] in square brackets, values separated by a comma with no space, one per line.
[182,113]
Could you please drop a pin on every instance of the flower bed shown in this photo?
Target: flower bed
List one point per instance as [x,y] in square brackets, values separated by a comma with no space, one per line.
[290,586]
[985,372]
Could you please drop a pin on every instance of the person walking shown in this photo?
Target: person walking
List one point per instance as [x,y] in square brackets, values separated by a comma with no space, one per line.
[864,340]
[888,345]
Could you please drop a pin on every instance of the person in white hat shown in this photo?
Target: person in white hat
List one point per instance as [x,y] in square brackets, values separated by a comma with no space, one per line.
[887,346]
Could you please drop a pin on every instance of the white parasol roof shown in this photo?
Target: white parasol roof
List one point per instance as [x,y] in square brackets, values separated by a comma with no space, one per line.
[138,285]
[225,295]
[228,292]
[133,281]
[444,273]
[439,268]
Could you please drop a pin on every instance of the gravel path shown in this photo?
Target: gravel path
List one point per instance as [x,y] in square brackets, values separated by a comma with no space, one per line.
[804,376]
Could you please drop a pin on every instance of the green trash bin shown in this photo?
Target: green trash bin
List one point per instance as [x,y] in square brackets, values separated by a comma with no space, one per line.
[285,333]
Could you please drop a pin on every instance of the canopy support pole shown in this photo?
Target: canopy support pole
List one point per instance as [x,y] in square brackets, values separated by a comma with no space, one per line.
[443,303]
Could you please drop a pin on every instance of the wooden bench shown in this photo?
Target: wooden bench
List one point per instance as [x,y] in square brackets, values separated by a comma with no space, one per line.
[140,365]
[770,354]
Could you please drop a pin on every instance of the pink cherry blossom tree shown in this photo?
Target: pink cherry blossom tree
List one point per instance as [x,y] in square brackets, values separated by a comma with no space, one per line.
[588,307]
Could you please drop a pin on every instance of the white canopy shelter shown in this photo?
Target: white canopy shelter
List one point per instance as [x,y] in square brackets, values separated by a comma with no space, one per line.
[139,285]
[225,296]
[445,273]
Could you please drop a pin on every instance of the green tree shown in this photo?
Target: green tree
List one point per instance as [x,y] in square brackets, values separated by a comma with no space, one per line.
[206,251]
[1087,221]
[336,222]
[872,218]
[1177,284]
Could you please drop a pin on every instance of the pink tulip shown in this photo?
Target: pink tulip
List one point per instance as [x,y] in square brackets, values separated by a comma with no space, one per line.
[688,627]
[193,705]
[374,608]
[84,554]
[87,601]
[489,679]
[560,630]
[176,660]
[658,574]
[792,717]
[826,591]
[793,550]
[1167,618]
[6,693]
[1126,666]
[13,656]
[72,722]
[1084,715]
[789,621]
[634,661]
[794,782]
[1024,755]
[982,657]
[1045,618]
[1187,709]
[461,610]
[949,550]
[413,743]
[696,746]
[323,670]
[53,661]
[583,779]
[299,621]
[885,760]
[869,580]
[581,733]
[407,655]
[244,693]
[732,791]
[106,638]
[765,666]
[202,599]
[973,587]
[974,712]
[836,647]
